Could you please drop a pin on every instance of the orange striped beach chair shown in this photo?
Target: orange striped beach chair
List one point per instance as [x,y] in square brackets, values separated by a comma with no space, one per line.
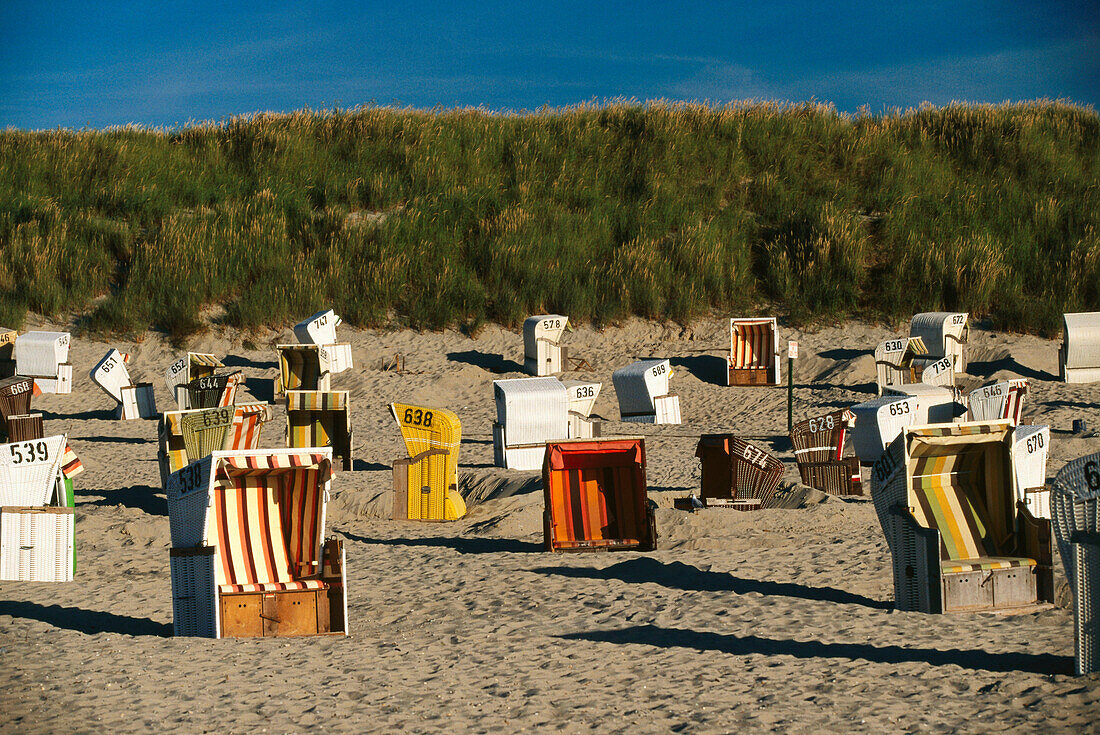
[595,496]
[248,555]
[960,538]
[754,351]
[245,421]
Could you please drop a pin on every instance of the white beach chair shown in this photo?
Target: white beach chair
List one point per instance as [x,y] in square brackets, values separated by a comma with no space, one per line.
[945,334]
[582,399]
[1031,444]
[319,329]
[530,413]
[643,393]
[1079,355]
[44,356]
[135,400]
[879,421]
[542,351]
[7,352]
[248,555]
[1001,400]
[946,497]
[1075,511]
[754,351]
[36,510]
[894,360]
[184,370]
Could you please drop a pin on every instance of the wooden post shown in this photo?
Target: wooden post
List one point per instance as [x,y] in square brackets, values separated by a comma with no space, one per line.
[792,353]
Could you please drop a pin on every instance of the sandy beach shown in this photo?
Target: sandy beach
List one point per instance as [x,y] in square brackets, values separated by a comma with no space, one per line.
[778,620]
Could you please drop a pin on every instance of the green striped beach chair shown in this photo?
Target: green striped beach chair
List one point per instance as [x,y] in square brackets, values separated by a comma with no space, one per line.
[946,497]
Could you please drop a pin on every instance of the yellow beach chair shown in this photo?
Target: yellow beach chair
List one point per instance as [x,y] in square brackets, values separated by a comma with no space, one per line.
[425,484]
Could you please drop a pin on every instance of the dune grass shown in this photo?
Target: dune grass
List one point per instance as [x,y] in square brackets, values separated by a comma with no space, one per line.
[433,219]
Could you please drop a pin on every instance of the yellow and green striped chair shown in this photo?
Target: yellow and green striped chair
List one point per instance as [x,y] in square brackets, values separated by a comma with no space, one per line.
[425,483]
[946,497]
[317,418]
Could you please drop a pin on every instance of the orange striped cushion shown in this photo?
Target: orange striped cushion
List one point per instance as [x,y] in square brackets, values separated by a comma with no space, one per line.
[306,584]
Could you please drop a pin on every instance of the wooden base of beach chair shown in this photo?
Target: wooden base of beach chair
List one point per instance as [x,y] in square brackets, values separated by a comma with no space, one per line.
[287,613]
[751,376]
[753,504]
[990,590]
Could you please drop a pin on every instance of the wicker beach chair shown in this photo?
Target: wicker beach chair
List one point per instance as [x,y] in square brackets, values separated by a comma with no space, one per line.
[543,353]
[243,434]
[643,392]
[819,450]
[135,400]
[735,474]
[213,391]
[754,351]
[425,484]
[319,329]
[880,420]
[595,496]
[530,413]
[894,361]
[7,352]
[1002,400]
[1075,506]
[44,356]
[946,497]
[15,400]
[582,399]
[320,419]
[36,510]
[945,334]
[187,368]
[1079,355]
[248,555]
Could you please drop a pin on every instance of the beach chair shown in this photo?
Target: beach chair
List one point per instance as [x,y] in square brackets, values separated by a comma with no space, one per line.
[319,329]
[425,484]
[594,492]
[945,334]
[36,510]
[542,351]
[880,420]
[248,556]
[243,433]
[213,391]
[7,352]
[946,497]
[15,401]
[135,400]
[1031,445]
[44,356]
[1002,400]
[754,351]
[1075,506]
[894,360]
[181,372]
[736,475]
[819,450]
[1079,355]
[530,413]
[643,392]
[582,399]
[317,418]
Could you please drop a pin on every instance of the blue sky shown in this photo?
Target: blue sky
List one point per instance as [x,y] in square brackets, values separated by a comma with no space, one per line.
[100,64]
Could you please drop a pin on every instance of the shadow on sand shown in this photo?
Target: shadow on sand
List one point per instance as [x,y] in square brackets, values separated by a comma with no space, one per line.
[89,622]
[651,635]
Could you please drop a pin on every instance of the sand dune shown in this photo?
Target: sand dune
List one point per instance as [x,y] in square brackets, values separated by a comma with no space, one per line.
[776,620]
